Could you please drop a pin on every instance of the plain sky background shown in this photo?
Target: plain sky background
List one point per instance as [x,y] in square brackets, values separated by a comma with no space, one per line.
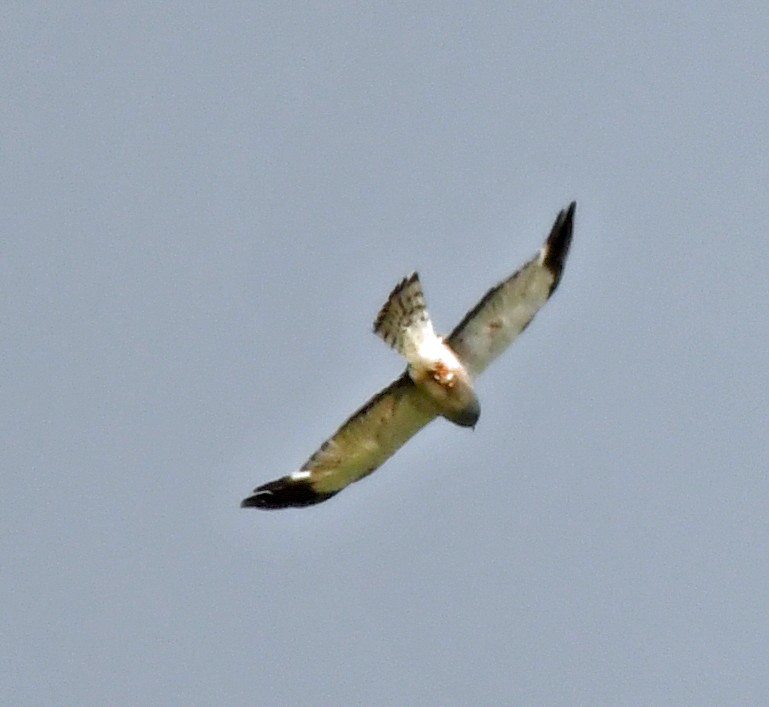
[204,206]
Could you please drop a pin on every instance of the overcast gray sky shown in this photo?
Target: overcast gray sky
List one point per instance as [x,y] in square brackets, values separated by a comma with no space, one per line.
[204,206]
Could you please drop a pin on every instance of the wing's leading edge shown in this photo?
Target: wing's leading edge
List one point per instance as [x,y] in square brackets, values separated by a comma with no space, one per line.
[506,309]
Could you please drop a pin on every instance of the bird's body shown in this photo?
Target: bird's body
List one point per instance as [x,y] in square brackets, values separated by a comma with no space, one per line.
[438,380]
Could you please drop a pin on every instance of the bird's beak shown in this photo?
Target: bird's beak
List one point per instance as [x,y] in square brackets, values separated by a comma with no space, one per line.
[468,416]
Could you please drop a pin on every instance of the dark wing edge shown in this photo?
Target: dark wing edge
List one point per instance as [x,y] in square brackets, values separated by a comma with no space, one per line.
[552,257]
[558,243]
[285,493]
[360,445]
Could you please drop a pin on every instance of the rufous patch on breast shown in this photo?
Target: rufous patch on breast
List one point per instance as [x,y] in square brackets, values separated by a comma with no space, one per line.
[444,375]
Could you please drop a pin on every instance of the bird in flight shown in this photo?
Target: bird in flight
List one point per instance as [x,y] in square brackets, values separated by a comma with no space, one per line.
[438,380]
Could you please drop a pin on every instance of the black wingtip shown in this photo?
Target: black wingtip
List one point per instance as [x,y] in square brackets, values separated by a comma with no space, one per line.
[285,493]
[558,243]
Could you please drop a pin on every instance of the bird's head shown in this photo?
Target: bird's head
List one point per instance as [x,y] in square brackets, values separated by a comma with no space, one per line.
[451,390]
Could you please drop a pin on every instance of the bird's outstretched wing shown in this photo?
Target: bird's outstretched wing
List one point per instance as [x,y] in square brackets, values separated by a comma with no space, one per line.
[506,309]
[364,442]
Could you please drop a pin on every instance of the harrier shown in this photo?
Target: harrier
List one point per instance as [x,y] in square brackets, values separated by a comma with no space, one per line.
[438,380]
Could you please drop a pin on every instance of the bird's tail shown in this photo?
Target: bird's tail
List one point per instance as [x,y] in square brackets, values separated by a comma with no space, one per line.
[403,321]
